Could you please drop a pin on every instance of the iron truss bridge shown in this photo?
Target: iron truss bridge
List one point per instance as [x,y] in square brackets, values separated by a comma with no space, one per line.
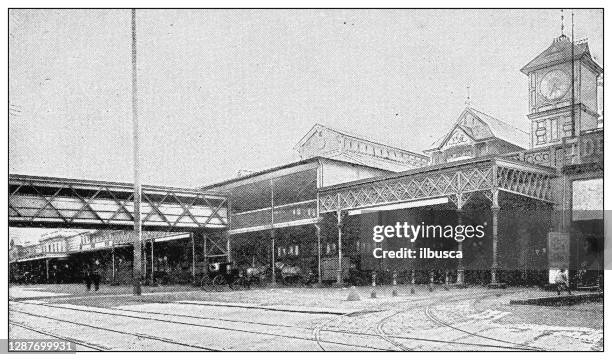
[36,201]
[457,181]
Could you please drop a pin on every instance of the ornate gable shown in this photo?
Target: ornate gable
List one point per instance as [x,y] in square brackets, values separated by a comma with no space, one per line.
[480,126]
[457,138]
[319,141]
[474,126]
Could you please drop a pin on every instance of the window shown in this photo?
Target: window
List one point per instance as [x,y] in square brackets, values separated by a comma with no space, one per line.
[554,129]
[567,128]
[540,139]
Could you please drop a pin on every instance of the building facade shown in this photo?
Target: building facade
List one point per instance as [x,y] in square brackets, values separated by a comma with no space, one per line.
[538,194]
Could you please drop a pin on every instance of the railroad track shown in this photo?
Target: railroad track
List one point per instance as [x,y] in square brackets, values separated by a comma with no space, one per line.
[394,340]
[498,343]
[137,335]
[217,327]
[430,314]
[316,333]
[390,339]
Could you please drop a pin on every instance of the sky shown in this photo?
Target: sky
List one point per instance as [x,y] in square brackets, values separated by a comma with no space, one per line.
[223,90]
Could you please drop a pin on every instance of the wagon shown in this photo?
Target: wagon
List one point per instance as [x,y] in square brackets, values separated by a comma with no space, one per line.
[220,274]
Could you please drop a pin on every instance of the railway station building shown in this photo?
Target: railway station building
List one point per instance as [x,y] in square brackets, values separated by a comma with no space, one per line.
[537,193]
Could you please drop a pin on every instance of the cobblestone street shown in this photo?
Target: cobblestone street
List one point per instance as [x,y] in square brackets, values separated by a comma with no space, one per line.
[313,318]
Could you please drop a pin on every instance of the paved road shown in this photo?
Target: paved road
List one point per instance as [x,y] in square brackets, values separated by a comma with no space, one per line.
[477,320]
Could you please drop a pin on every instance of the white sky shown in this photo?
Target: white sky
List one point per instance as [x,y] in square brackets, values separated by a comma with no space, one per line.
[223,90]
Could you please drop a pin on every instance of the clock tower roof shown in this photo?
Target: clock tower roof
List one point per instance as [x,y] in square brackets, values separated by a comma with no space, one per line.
[560,51]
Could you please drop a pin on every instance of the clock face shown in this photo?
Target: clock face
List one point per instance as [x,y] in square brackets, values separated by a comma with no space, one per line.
[554,85]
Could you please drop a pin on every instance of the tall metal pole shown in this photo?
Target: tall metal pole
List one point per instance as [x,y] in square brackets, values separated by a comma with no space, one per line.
[575,131]
[136,271]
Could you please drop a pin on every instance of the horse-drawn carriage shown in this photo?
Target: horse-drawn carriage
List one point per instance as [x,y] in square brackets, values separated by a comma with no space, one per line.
[222,274]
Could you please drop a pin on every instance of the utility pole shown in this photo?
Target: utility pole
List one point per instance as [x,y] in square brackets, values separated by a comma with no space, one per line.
[136,270]
[575,131]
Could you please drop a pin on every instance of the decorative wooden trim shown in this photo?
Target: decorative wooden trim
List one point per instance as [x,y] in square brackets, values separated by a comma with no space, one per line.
[447,182]
[456,183]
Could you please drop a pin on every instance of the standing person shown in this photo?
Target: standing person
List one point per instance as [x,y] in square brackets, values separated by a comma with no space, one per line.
[95,275]
[87,277]
[562,282]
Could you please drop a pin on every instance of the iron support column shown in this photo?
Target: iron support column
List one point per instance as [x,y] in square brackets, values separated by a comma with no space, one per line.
[339,271]
[273,239]
[205,251]
[47,269]
[318,232]
[494,230]
[192,255]
[460,269]
[113,263]
[272,232]
[152,262]
[144,261]
[228,246]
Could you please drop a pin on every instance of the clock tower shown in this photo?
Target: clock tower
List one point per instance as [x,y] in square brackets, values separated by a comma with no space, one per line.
[552,113]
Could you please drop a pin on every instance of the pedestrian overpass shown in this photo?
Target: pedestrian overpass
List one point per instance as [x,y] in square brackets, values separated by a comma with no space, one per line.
[37,201]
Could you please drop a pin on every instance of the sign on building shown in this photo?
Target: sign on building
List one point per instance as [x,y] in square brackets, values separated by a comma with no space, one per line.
[558,250]
[591,148]
[558,253]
